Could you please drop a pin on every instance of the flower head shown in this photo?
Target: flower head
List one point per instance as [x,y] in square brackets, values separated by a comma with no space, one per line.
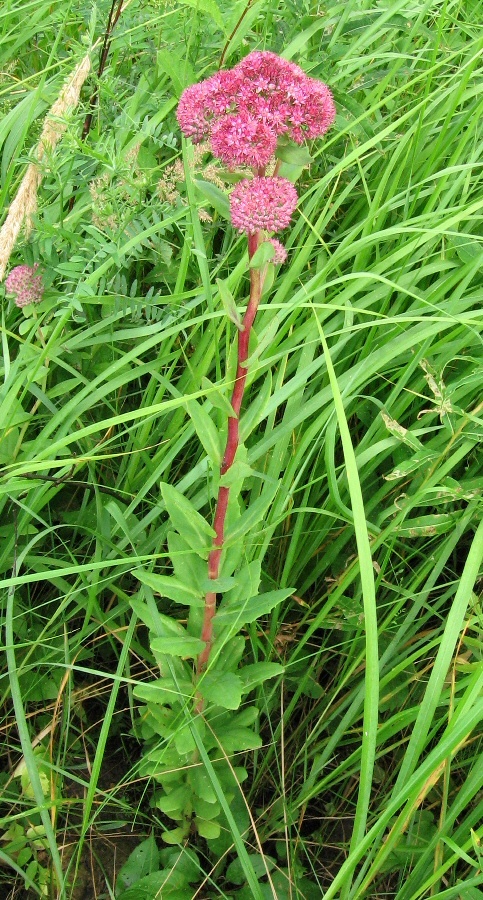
[243,110]
[262,204]
[26,284]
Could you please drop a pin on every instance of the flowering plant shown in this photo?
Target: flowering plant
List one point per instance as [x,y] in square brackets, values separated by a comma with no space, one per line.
[25,284]
[247,115]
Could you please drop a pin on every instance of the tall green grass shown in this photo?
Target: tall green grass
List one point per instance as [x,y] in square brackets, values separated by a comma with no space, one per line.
[368,409]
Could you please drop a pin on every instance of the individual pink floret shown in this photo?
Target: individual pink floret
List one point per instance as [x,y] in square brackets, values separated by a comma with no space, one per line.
[26,284]
[280,254]
[262,204]
[242,140]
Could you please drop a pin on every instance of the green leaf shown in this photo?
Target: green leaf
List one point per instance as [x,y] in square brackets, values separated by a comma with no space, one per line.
[253,515]
[467,249]
[143,860]
[177,67]
[418,462]
[186,863]
[243,612]
[184,740]
[169,586]
[265,340]
[237,739]
[229,304]
[209,7]
[176,836]
[219,585]
[255,412]
[263,254]
[175,801]
[204,809]
[185,518]
[261,864]
[201,784]
[216,197]
[188,567]
[290,172]
[294,155]
[163,690]
[237,472]
[257,673]
[222,688]
[231,652]
[155,887]
[247,583]
[187,647]
[268,280]
[427,525]
[214,393]
[141,608]
[206,431]
[207,830]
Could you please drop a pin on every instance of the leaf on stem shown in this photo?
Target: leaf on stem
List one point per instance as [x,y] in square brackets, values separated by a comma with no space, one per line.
[188,566]
[169,586]
[216,197]
[263,254]
[257,673]
[185,518]
[228,302]
[253,515]
[187,647]
[264,341]
[222,688]
[254,413]
[214,393]
[206,431]
[235,615]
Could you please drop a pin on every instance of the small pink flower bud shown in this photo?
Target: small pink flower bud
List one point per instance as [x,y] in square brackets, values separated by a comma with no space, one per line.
[280,254]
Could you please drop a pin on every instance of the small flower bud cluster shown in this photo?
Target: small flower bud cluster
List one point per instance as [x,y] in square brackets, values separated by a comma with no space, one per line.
[26,284]
[280,254]
[262,204]
[242,112]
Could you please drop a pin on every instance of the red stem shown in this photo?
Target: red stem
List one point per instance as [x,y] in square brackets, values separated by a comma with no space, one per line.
[232,443]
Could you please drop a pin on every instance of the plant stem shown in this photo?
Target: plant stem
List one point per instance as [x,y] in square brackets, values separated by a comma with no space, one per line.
[232,443]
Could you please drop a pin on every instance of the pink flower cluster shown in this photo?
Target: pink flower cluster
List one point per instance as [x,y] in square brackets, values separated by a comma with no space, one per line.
[26,284]
[248,107]
[262,204]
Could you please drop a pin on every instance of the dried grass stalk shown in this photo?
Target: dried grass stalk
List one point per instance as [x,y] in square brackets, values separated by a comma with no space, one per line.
[24,203]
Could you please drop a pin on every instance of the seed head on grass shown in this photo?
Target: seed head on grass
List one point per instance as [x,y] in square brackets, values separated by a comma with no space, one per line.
[24,204]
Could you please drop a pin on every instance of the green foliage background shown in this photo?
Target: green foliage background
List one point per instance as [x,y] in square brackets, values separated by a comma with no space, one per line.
[365,404]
